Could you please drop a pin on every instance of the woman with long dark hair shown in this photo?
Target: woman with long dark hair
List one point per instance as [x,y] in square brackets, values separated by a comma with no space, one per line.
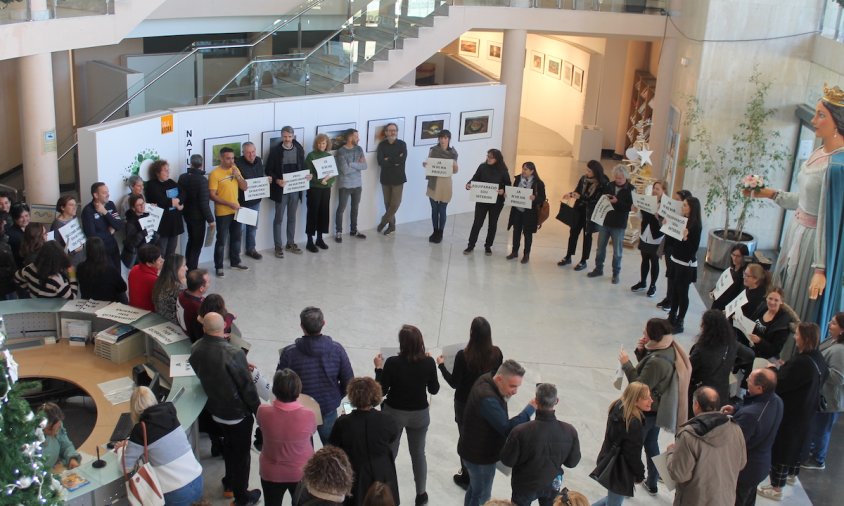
[684,256]
[667,247]
[98,278]
[526,220]
[171,281]
[405,379]
[832,350]
[712,356]
[586,195]
[47,277]
[34,237]
[479,357]
[650,237]
[20,219]
[493,170]
[738,263]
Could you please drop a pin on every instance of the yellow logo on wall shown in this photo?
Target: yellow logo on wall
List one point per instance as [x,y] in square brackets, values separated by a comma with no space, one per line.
[167,124]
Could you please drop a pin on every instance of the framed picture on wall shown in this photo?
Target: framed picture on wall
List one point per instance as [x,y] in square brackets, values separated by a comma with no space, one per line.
[493,51]
[428,128]
[336,133]
[475,125]
[375,131]
[553,67]
[568,70]
[536,62]
[213,145]
[469,46]
[577,79]
[272,138]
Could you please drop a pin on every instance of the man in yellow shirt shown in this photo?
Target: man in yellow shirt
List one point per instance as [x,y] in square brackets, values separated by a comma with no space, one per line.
[223,183]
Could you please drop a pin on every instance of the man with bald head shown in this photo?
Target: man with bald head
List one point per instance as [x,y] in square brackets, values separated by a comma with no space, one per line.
[759,419]
[707,455]
[232,401]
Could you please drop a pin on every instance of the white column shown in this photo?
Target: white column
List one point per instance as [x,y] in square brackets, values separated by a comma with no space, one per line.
[512,74]
[38,129]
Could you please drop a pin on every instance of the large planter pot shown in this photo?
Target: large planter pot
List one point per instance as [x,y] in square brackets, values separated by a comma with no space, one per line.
[718,248]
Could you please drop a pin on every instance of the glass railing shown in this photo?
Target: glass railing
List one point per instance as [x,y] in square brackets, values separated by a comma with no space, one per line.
[832,22]
[38,10]
[640,6]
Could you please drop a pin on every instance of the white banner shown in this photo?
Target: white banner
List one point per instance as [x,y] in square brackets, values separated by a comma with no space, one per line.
[674,226]
[155,212]
[166,333]
[669,206]
[439,167]
[325,167]
[483,193]
[602,209]
[646,203]
[725,281]
[296,181]
[246,216]
[73,235]
[744,324]
[736,303]
[150,224]
[121,313]
[519,197]
[257,188]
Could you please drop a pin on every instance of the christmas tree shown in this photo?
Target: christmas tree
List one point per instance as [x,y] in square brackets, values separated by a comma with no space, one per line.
[24,478]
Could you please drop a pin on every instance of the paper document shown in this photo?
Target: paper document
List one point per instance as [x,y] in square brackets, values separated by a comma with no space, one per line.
[121,312]
[179,366]
[674,226]
[725,281]
[51,235]
[209,236]
[117,391]
[325,167]
[449,352]
[646,203]
[166,333]
[155,212]
[736,303]
[660,461]
[309,402]
[483,193]
[246,216]
[296,181]
[389,351]
[257,188]
[519,197]
[150,225]
[602,209]
[670,206]
[89,306]
[73,235]
[744,324]
[439,167]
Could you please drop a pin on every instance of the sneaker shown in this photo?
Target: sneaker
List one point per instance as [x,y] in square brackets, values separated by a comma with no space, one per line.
[220,273]
[487,251]
[468,251]
[461,480]
[279,252]
[240,267]
[638,287]
[253,497]
[651,490]
[812,463]
[565,261]
[580,266]
[615,279]
[358,235]
[321,244]
[338,237]
[769,492]
[293,248]
[791,479]
[254,254]
[652,291]
[664,304]
[512,255]
[595,273]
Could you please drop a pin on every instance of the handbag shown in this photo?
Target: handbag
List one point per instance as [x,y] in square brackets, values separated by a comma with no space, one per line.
[566,214]
[542,215]
[612,473]
[143,487]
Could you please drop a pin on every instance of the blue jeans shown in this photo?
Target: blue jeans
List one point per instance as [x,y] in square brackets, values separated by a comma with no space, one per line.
[343,195]
[612,499]
[288,203]
[324,430]
[651,448]
[480,483]
[604,235]
[438,214]
[250,231]
[545,495]
[227,230]
[186,495]
[822,424]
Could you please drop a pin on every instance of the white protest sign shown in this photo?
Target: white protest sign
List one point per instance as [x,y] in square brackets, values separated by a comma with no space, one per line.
[449,352]
[150,224]
[736,303]
[155,212]
[519,197]
[180,366]
[725,281]
[744,324]
[325,167]
[166,333]
[257,188]
[296,181]
[246,216]
[51,235]
[674,226]
[73,235]
[439,167]
[602,209]
[670,206]
[661,464]
[483,193]
[646,203]
[121,313]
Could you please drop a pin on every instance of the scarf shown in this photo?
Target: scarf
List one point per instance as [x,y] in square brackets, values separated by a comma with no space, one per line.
[590,187]
[683,367]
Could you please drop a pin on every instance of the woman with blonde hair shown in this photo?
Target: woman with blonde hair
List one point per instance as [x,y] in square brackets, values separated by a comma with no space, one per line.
[157,426]
[625,432]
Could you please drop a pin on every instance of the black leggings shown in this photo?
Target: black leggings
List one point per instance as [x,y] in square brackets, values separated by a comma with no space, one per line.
[581,225]
[650,262]
[682,278]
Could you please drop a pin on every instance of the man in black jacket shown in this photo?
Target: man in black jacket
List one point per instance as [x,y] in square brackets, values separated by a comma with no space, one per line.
[620,193]
[252,167]
[486,426]
[288,156]
[232,400]
[538,450]
[193,187]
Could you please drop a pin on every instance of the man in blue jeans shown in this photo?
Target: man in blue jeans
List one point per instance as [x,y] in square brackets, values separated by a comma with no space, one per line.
[350,162]
[251,167]
[620,193]
[486,426]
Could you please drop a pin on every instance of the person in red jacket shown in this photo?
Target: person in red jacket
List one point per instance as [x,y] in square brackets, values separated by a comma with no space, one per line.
[142,277]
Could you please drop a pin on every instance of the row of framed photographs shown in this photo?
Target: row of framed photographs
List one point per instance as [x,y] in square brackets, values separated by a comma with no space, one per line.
[556,68]
[471,46]
[474,125]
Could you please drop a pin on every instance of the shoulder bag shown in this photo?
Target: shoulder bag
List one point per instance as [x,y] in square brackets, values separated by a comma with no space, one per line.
[612,472]
[143,487]
[566,214]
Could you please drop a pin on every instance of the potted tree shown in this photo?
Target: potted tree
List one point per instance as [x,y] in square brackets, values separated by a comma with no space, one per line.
[751,149]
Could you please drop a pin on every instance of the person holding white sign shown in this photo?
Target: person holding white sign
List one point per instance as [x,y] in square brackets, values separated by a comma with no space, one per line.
[525,221]
[650,238]
[66,208]
[319,196]
[164,193]
[771,329]
[136,233]
[757,282]
[252,167]
[100,218]
[620,193]
[391,155]
[439,188]
[223,185]
[738,262]
[288,156]
[684,256]
[667,247]
[586,194]
[494,170]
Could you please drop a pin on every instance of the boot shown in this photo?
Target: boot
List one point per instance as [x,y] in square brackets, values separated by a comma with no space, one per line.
[311,246]
[433,236]
[512,255]
[439,238]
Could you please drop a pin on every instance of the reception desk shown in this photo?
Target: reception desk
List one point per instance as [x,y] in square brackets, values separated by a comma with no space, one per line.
[33,318]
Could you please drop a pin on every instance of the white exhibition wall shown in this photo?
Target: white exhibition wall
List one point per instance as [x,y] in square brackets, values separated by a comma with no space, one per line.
[111,151]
